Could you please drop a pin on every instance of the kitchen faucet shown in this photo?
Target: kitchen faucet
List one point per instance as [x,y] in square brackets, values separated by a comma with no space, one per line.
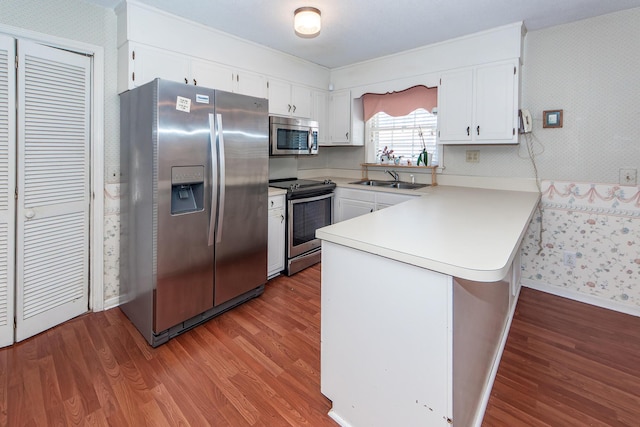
[394,174]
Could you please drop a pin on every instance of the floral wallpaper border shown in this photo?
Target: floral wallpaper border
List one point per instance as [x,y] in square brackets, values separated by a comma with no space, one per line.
[597,198]
[601,224]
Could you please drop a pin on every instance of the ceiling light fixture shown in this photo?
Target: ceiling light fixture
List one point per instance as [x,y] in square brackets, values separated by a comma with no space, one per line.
[306,22]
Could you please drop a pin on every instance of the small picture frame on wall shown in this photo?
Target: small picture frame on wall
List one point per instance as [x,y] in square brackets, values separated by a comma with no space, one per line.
[552,119]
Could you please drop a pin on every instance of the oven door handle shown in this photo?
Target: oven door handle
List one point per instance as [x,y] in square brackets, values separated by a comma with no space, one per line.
[310,199]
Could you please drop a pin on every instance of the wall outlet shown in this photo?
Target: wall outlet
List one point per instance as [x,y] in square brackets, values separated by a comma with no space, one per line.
[628,176]
[569,259]
[473,156]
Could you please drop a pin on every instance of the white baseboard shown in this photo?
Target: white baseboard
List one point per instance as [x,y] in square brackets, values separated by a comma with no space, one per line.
[580,297]
[112,302]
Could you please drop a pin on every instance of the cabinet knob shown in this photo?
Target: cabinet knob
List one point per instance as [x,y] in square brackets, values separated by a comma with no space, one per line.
[371,210]
[468,131]
[186,81]
[281,218]
[478,130]
[294,108]
[272,203]
[195,83]
[347,135]
[289,107]
[29,213]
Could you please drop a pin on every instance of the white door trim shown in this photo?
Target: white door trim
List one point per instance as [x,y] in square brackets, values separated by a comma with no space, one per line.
[96,254]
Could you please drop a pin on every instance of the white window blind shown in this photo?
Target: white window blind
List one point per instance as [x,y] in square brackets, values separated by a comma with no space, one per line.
[402,134]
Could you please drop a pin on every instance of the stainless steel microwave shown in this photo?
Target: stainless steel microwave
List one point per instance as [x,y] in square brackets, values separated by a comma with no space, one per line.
[290,136]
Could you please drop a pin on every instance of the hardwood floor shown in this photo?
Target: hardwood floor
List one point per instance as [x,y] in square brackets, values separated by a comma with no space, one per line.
[256,365]
[565,363]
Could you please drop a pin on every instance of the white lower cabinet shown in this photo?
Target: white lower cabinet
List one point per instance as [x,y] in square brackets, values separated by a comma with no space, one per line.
[276,230]
[351,203]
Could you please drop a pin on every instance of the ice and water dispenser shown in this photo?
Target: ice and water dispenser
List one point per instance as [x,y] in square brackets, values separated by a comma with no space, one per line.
[187,189]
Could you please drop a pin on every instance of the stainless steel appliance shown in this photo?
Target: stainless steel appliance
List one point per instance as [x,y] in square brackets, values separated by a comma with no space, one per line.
[194,164]
[290,136]
[309,207]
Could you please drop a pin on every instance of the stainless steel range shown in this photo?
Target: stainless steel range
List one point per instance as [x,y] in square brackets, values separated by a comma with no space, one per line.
[309,207]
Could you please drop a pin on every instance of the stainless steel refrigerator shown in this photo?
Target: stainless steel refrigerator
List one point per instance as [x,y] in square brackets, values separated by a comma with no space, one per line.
[194,183]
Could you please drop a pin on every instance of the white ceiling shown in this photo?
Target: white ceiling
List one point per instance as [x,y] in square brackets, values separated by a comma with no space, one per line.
[358,30]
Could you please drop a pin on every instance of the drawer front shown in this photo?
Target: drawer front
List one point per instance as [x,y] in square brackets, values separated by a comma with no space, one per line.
[276,202]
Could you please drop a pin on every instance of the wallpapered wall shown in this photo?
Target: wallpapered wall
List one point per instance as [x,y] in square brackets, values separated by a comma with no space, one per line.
[588,69]
[599,223]
[77,20]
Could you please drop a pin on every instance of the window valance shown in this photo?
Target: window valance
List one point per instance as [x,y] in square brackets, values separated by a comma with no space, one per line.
[400,103]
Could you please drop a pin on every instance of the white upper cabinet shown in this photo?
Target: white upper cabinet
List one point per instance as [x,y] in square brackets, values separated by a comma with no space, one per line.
[340,117]
[479,105]
[139,64]
[250,84]
[211,75]
[455,106]
[286,99]
[147,63]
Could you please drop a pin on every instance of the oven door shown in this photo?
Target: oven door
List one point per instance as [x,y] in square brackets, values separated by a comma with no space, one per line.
[304,217]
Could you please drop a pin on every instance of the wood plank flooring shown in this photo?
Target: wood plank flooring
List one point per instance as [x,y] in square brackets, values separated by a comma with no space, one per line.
[258,365]
[567,364]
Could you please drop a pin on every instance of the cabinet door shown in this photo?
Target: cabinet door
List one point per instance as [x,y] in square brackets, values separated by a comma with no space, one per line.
[340,117]
[251,84]
[211,75]
[150,63]
[301,101]
[495,102]
[319,113]
[348,208]
[276,230]
[279,98]
[455,106]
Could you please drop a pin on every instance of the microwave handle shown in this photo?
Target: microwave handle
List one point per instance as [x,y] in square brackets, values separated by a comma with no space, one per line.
[310,140]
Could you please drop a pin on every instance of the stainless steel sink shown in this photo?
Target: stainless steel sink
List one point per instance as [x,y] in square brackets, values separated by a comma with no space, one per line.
[390,184]
[407,185]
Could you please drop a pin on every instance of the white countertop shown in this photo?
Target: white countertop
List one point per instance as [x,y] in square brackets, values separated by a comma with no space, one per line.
[276,191]
[464,232]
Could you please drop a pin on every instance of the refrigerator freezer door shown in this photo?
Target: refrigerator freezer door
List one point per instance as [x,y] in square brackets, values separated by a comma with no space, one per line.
[184,258]
[241,252]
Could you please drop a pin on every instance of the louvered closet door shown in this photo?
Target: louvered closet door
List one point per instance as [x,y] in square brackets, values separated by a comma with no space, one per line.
[53,188]
[7,186]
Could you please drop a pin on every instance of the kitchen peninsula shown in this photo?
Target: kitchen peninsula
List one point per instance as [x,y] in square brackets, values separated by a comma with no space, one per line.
[416,303]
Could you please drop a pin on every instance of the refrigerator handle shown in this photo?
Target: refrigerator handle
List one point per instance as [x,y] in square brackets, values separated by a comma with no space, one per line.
[214,175]
[221,165]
